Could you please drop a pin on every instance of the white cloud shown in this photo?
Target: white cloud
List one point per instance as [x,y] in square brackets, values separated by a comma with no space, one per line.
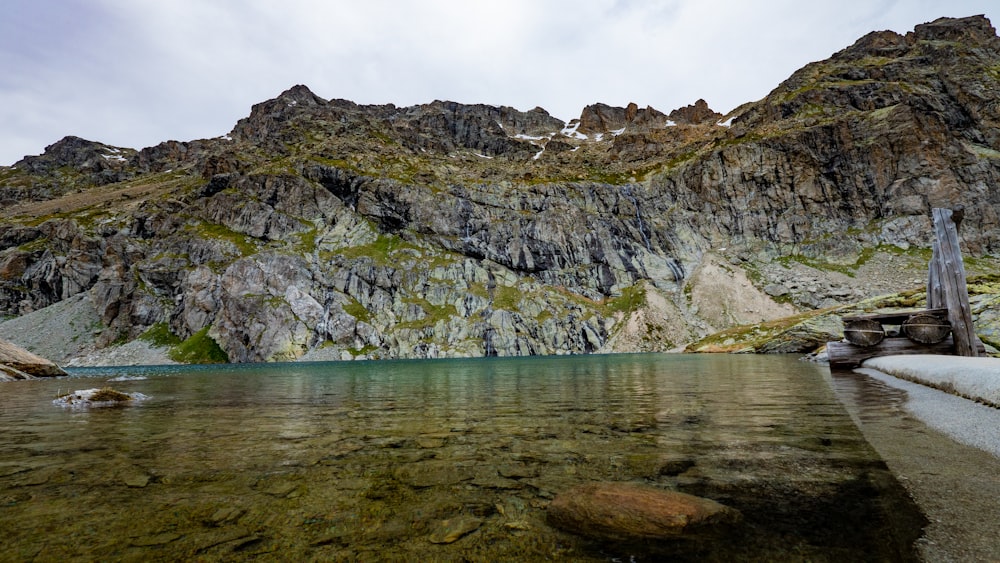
[137,72]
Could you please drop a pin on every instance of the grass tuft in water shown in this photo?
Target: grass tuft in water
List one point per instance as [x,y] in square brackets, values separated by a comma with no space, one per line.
[107,394]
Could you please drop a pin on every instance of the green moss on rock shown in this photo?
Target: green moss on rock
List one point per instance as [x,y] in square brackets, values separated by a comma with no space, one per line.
[506,297]
[199,348]
[160,335]
[355,309]
[631,299]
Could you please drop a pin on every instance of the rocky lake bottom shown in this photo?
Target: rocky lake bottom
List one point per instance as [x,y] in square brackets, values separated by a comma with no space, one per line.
[445,460]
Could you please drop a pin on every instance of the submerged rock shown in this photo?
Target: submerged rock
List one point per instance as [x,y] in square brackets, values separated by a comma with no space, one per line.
[106,397]
[453,529]
[622,512]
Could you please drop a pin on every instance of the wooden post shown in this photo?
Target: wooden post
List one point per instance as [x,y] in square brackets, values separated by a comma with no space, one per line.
[950,277]
[947,296]
[935,291]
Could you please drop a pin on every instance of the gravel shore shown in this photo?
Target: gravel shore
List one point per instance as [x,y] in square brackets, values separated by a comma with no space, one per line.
[943,448]
[977,379]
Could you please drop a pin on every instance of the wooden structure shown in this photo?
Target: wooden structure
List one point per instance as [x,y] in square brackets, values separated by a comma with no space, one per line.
[924,331]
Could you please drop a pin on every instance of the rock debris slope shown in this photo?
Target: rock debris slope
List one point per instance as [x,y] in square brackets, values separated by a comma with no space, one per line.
[325,229]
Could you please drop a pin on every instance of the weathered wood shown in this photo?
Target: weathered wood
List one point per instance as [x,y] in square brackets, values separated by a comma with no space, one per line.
[947,302]
[935,291]
[844,355]
[926,329]
[898,317]
[863,332]
[952,277]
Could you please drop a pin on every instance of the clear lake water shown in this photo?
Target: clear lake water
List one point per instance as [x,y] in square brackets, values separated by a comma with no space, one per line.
[438,460]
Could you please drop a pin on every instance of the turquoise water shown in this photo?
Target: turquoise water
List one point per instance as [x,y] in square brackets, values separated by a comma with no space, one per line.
[377,461]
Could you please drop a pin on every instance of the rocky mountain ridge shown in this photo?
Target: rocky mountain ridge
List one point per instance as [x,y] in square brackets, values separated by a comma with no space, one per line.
[327,229]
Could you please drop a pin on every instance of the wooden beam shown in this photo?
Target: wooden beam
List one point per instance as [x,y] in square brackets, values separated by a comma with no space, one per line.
[898,317]
[951,271]
[844,355]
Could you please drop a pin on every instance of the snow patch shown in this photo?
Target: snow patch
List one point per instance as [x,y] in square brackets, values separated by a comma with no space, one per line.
[571,130]
[617,132]
[113,154]
[671,123]
[483,156]
[525,137]
[538,154]
[598,137]
[726,123]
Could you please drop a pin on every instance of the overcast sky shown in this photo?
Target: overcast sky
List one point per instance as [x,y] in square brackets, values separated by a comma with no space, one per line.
[134,73]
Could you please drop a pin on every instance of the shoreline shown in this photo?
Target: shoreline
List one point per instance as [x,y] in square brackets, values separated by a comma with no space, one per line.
[963,420]
[943,448]
[976,379]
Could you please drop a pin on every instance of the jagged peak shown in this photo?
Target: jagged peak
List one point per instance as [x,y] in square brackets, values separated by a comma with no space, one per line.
[600,118]
[74,151]
[879,43]
[696,113]
[971,30]
[301,94]
[72,142]
[976,29]
[508,120]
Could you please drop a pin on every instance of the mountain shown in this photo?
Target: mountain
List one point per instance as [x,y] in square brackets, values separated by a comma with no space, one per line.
[326,229]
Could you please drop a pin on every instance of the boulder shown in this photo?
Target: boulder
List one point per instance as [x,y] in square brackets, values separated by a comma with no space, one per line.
[626,512]
[23,361]
[8,373]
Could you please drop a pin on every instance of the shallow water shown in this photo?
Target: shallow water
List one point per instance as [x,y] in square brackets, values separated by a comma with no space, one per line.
[375,461]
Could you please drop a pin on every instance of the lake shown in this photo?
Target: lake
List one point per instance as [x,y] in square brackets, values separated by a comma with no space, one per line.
[373,461]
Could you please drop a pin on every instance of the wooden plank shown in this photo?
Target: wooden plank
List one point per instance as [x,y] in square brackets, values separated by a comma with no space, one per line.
[898,317]
[935,291]
[952,273]
[844,355]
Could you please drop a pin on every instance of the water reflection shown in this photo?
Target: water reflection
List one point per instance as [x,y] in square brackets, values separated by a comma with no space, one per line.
[364,461]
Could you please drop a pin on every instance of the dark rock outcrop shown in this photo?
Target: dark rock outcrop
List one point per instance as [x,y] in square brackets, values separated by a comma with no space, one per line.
[699,112]
[603,119]
[68,164]
[80,154]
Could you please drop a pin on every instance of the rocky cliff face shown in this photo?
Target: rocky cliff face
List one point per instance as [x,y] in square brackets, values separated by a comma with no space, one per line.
[333,230]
